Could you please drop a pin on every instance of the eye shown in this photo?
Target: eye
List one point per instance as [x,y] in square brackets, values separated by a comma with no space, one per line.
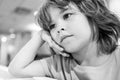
[67,16]
[52,26]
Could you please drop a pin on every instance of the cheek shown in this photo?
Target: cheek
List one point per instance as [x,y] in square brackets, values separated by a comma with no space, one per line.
[76,45]
[80,28]
[80,24]
[81,31]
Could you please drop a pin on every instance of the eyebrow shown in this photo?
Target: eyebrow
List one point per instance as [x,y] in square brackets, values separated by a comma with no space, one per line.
[64,9]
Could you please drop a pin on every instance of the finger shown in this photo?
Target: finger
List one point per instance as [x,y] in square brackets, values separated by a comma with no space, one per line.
[64,54]
[51,43]
[61,53]
[58,49]
[57,46]
[47,38]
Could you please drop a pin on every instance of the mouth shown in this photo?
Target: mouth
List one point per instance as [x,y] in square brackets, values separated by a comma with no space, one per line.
[64,37]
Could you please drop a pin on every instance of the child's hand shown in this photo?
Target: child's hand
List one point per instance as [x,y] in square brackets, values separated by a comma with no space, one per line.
[47,38]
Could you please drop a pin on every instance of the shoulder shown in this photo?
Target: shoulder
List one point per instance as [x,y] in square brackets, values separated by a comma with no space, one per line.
[55,61]
[117,53]
[57,58]
[50,64]
[55,64]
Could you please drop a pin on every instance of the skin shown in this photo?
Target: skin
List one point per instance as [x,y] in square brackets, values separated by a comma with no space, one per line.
[79,45]
[76,24]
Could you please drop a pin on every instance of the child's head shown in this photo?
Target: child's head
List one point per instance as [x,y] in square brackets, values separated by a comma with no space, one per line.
[102,26]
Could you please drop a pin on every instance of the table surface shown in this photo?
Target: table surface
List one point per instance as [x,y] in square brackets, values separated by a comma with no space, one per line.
[17,79]
[34,78]
[5,75]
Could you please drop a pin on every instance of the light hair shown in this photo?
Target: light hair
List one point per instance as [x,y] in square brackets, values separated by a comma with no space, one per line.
[105,25]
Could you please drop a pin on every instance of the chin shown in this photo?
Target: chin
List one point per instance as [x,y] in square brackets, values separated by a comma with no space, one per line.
[74,47]
[71,49]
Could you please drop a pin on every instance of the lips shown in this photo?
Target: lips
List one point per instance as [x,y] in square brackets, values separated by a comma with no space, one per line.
[64,37]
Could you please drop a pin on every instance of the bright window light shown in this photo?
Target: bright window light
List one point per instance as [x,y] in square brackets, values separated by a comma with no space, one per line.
[4,39]
[33,27]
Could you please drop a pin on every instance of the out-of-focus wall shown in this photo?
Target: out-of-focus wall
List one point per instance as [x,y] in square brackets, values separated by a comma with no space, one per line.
[11,44]
[114,6]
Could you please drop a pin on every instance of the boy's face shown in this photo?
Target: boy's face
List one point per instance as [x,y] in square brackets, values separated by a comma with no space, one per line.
[70,28]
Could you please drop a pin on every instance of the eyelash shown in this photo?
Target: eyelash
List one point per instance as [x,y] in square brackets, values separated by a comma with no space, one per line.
[67,15]
[52,26]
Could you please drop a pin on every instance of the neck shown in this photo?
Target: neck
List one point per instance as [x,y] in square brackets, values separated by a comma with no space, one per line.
[89,56]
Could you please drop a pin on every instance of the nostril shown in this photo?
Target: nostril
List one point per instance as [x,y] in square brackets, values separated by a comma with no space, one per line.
[62,29]
[58,31]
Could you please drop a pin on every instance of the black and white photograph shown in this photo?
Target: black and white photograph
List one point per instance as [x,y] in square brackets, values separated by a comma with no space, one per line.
[59,39]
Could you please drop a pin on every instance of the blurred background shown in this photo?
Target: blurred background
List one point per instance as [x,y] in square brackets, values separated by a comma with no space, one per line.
[17,25]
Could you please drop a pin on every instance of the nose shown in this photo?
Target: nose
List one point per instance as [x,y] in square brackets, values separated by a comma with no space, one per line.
[60,30]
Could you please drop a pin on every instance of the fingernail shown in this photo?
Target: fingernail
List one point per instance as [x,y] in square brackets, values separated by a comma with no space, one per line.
[65,55]
[50,44]
[61,49]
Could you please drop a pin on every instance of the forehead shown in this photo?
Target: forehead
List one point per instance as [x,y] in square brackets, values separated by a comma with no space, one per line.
[60,10]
